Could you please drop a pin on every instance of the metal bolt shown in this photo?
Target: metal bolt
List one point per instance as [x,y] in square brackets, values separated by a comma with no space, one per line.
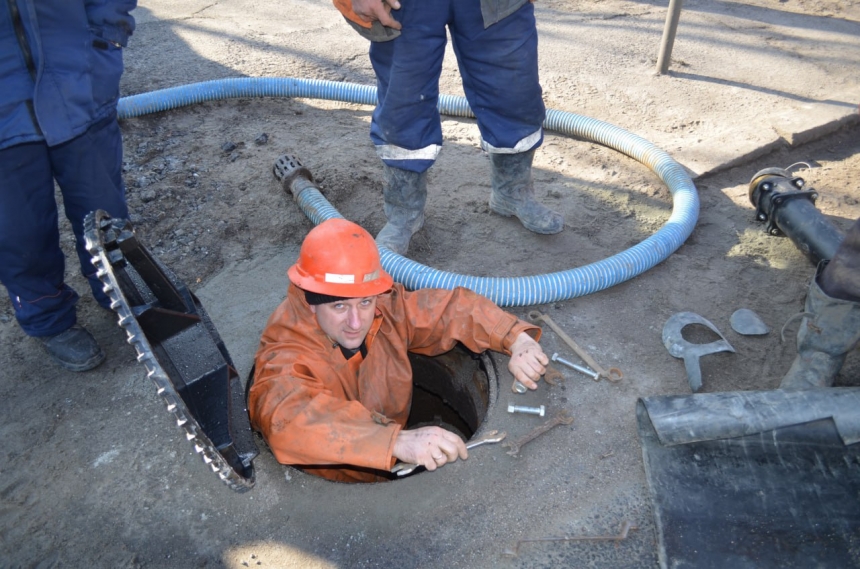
[766,187]
[589,372]
[762,217]
[799,183]
[519,387]
[528,410]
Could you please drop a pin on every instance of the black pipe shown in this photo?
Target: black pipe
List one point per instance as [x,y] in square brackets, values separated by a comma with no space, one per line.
[788,209]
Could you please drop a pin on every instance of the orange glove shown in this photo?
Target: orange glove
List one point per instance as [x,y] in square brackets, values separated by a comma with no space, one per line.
[345,8]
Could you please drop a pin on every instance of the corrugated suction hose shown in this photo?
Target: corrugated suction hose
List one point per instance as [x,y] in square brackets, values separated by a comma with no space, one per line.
[504,291]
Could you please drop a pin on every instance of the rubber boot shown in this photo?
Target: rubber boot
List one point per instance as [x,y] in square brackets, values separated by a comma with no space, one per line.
[404,193]
[75,349]
[829,330]
[514,193]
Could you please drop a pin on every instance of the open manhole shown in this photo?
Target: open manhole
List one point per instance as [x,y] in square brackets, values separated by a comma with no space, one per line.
[453,391]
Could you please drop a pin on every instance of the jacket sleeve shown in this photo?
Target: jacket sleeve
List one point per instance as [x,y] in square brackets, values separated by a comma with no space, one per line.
[292,404]
[111,20]
[438,319]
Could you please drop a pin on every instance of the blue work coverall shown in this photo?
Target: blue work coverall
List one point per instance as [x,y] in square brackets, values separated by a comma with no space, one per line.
[495,42]
[60,66]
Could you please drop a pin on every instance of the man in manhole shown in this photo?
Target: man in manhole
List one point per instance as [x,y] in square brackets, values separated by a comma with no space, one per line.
[333,384]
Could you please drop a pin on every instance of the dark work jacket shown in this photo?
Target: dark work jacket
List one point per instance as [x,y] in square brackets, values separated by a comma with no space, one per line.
[60,66]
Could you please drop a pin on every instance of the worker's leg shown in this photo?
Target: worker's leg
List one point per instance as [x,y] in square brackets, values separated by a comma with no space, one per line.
[406,128]
[831,327]
[32,264]
[88,170]
[500,77]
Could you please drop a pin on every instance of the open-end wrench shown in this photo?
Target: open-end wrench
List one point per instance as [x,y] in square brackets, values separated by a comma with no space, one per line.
[562,418]
[612,374]
[404,468]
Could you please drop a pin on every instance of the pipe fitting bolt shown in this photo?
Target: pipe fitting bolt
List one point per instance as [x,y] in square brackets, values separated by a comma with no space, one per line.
[527,410]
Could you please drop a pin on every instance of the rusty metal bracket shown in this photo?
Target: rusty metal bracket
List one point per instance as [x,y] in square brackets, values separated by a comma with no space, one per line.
[626,528]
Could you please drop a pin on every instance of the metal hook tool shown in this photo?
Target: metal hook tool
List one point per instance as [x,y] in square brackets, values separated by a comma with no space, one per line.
[613,374]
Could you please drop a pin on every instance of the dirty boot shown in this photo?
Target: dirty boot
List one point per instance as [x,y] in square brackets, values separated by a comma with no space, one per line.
[514,194]
[75,349]
[405,193]
[829,330]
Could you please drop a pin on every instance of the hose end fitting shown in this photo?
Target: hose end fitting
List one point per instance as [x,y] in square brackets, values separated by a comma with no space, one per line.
[784,202]
[770,189]
[293,175]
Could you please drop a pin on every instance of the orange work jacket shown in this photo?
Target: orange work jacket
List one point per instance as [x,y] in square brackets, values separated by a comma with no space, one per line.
[339,418]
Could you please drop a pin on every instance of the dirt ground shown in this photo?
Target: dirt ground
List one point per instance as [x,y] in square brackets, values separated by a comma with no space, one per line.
[95,472]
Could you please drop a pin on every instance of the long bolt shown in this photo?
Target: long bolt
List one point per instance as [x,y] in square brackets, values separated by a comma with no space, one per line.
[589,372]
[528,410]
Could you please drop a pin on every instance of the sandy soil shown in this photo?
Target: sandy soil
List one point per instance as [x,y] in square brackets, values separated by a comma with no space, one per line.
[96,474]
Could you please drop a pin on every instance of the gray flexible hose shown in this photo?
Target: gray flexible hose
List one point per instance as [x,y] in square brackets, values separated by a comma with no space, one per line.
[504,291]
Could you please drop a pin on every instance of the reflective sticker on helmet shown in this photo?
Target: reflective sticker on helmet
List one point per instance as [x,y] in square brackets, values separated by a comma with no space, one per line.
[371,276]
[342,279]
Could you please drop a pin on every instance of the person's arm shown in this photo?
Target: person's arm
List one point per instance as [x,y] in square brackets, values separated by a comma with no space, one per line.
[303,423]
[438,319]
[434,320]
[111,20]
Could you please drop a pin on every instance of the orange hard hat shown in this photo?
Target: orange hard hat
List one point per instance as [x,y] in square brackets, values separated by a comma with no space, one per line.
[340,258]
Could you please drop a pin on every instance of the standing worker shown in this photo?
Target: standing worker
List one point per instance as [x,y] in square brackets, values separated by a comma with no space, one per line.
[332,387]
[60,67]
[495,42]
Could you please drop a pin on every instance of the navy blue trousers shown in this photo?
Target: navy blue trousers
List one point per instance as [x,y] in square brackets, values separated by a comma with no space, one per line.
[88,170]
[499,67]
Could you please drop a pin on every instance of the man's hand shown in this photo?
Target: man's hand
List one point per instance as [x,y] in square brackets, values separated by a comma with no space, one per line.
[377,10]
[528,362]
[431,447]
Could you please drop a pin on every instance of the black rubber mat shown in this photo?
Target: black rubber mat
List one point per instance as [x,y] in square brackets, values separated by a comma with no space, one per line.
[786,497]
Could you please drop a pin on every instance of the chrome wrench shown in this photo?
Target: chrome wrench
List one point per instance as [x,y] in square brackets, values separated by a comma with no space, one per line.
[404,468]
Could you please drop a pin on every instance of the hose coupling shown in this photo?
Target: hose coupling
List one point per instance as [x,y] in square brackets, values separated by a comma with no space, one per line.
[293,175]
[771,189]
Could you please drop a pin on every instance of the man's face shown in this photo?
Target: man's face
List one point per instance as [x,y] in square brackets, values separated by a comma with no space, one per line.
[348,321]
